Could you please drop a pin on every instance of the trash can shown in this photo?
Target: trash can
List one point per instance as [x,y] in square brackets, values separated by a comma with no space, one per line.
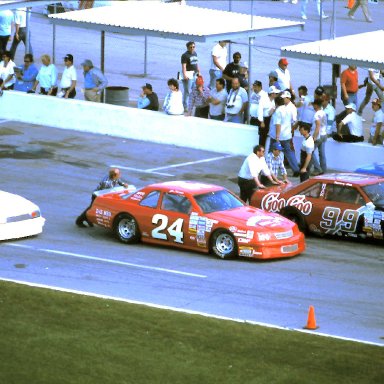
[117,95]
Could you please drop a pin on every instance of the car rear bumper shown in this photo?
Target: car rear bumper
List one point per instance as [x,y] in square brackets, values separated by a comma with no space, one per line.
[21,229]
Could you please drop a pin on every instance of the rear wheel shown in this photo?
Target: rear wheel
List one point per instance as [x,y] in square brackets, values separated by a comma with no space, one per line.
[224,244]
[126,229]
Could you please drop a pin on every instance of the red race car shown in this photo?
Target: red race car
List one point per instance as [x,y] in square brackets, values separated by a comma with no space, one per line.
[347,204]
[199,217]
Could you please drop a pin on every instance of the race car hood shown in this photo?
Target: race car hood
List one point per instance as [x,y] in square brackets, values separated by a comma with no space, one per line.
[253,219]
[15,205]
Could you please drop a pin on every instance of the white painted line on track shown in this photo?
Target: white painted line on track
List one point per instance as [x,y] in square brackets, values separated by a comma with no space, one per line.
[100,259]
[155,170]
[192,162]
[191,312]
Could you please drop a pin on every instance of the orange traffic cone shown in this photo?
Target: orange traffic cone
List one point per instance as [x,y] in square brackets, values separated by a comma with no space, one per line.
[311,322]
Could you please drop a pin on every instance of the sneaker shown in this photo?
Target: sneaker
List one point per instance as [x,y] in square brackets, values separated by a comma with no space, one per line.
[369,21]
[296,174]
[294,1]
[351,17]
[325,17]
[304,17]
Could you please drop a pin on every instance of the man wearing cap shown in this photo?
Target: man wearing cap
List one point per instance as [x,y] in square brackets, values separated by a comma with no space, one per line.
[218,62]
[350,129]
[248,177]
[377,127]
[199,99]
[94,82]
[232,70]
[148,99]
[260,110]
[281,131]
[373,84]
[275,162]
[349,82]
[284,76]
[68,79]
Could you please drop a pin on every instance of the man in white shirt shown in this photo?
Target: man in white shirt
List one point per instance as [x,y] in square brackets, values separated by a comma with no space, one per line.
[261,109]
[6,20]
[248,177]
[350,129]
[307,148]
[20,20]
[319,134]
[68,79]
[284,76]
[217,101]
[218,62]
[377,127]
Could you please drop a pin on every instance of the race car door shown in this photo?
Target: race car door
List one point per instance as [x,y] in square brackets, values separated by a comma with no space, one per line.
[343,205]
[170,222]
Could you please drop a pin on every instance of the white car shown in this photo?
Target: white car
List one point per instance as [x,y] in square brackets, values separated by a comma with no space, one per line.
[19,217]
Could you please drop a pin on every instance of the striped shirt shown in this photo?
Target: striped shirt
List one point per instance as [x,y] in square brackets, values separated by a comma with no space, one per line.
[276,164]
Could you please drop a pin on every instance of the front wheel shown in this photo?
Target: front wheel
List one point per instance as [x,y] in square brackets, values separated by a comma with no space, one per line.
[224,244]
[126,229]
[296,217]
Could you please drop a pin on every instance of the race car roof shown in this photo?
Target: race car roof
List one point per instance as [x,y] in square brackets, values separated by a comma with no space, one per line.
[350,178]
[173,20]
[186,186]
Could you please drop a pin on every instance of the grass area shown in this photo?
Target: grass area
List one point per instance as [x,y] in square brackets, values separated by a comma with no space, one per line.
[53,337]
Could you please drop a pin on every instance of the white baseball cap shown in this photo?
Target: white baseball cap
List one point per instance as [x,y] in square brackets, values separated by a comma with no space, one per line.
[286,94]
[351,106]
[273,89]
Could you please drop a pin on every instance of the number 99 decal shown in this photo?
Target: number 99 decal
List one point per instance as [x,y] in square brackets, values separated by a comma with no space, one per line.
[333,220]
[175,230]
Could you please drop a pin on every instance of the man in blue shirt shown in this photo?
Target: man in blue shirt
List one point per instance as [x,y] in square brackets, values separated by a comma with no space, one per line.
[148,99]
[94,82]
[26,74]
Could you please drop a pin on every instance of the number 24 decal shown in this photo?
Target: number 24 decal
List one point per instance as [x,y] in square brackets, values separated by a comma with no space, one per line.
[174,230]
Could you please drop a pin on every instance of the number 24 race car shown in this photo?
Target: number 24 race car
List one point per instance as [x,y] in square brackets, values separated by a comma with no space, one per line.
[198,217]
[348,204]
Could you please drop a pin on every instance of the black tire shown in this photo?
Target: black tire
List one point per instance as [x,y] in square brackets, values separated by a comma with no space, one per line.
[223,244]
[126,229]
[295,216]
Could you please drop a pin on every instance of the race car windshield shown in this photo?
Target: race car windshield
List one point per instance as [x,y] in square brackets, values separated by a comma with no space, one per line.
[375,193]
[217,201]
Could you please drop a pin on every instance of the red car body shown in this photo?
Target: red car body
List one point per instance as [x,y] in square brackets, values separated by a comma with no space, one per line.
[347,204]
[199,217]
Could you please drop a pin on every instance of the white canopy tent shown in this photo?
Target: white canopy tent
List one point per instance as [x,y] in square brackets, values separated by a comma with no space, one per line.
[363,50]
[173,21]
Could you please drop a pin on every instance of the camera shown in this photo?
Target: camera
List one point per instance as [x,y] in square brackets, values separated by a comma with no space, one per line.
[229,106]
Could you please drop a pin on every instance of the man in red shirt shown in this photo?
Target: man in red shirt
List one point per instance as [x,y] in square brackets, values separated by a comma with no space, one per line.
[349,81]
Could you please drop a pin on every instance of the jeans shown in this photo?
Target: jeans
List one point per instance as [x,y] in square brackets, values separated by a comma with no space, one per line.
[304,4]
[214,74]
[368,95]
[188,85]
[320,146]
[234,118]
[3,44]
[23,38]
[288,152]
[352,98]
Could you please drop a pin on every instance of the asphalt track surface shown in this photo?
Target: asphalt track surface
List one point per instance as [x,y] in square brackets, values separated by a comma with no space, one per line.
[58,169]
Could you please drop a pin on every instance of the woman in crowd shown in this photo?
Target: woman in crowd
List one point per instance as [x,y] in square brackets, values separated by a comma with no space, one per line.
[47,77]
[173,102]
[7,74]
[26,74]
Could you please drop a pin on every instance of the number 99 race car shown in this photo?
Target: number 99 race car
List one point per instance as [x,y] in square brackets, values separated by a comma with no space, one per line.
[347,204]
[198,217]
